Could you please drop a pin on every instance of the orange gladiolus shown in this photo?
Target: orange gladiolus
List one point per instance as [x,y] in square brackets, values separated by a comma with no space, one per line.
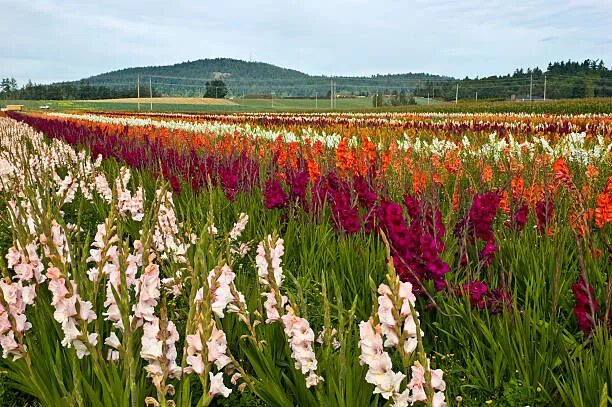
[504,202]
[314,171]
[455,200]
[419,182]
[452,162]
[592,172]
[318,148]
[487,174]
[561,170]
[603,206]
[518,187]
[436,179]
[579,222]
[385,160]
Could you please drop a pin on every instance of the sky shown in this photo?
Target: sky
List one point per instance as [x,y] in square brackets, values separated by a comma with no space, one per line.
[48,41]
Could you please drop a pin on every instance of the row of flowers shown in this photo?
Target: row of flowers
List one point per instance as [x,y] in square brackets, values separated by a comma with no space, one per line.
[590,144]
[515,123]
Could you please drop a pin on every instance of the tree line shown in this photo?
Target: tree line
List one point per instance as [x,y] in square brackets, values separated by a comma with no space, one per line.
[571,79]
[83,90]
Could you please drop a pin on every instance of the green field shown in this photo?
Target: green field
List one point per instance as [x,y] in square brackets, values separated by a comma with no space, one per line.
[568,106]
[242,105]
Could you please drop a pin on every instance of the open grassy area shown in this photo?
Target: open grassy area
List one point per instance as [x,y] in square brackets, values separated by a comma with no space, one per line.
[568,106]
[202,105]
[167,101]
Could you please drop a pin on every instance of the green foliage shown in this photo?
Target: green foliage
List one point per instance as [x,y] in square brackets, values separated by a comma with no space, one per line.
[215,89]
[570,79]
[81,90]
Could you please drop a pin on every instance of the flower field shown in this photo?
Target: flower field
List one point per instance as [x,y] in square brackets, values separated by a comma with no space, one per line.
[335,259]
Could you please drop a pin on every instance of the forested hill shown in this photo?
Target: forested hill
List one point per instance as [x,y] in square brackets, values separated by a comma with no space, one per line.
[207,69]
[242,77]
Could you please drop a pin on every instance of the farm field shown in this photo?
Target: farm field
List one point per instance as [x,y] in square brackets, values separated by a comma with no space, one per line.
[199,104]
[166,101]
[564,106]
[306,259]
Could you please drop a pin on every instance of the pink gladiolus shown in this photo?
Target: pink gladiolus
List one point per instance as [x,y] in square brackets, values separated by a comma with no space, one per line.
[66,314]
[273,263]
[239,226]
[380,372]
[217,348]
[25,263]
[301,338]
[222,295]
[216,385]
[271,306]
[147,290]
[156,350]
[13,318]
[194,354]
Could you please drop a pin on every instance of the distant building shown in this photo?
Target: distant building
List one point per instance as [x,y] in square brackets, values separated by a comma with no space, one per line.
[221,75]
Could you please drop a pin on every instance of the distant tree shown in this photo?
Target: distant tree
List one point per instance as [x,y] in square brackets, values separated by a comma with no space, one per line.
[8,87]
[215,89]
[402,98]
[589,91]
[5,87]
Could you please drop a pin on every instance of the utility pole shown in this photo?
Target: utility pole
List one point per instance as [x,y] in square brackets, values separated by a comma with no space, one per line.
[316,100]
[334,94]
[138,91]
[272,94]
[530,86]
[331,93]
[151,93]
[427,97]
[544,87]
[477,96]
[457,94]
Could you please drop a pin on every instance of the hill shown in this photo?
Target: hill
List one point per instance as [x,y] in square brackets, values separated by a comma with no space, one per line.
[250,78]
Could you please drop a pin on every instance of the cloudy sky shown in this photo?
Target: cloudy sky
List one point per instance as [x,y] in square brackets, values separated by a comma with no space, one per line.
[50,41]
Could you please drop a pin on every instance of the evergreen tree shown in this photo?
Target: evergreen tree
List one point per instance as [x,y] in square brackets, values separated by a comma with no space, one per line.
[5,87]
[216,89]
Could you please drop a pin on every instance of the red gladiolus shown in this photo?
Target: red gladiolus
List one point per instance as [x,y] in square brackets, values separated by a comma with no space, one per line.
[586,306]
[274,194]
